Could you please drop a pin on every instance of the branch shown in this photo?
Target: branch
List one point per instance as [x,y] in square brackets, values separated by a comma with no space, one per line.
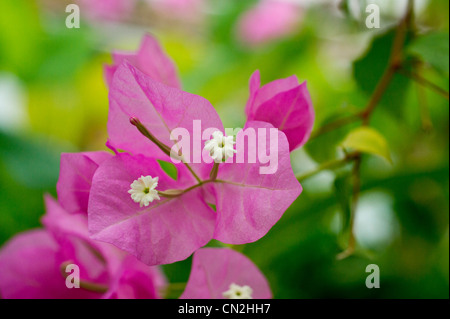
[395,61]
[336,124]
[394,64]
[424,82]
[356,174]
[328,165]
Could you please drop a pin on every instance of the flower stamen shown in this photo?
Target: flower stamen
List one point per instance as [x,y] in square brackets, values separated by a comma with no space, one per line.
[220,147]
[238,292]
[143,190]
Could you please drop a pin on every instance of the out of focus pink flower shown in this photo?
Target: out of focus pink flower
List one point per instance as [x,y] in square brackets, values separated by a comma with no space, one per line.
[267,21]
[181,10]
[105,9]
[32,264]
[222,273]
[150,59]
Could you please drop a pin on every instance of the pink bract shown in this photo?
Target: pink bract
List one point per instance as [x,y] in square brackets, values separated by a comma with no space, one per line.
[285,104]
[75,178]
[215,269]
[164,232]
[65,241]
[150,59]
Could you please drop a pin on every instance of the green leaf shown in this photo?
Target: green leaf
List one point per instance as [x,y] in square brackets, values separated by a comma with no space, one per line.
[169,168]
[433,49]
[367,140]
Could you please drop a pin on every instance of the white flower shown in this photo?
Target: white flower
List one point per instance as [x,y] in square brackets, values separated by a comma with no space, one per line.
[220,147]
[238,292]
[143,190]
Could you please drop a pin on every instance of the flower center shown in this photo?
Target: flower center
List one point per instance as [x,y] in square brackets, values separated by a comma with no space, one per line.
[238,292]
[143,190]
[220,147]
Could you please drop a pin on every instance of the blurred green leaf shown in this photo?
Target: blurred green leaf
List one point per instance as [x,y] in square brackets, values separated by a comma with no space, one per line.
[21,206]
[33,162]
[367,140]
[20,38]
[433,49]
[29,168]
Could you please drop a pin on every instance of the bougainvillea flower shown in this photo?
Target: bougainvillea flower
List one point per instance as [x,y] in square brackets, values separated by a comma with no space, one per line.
[75,177]
[166,231]
[222,273]
[105,271]
[135,280]
[29,269]
[160,108]
[268,20]
[150,59]
[247,203]
[285,104]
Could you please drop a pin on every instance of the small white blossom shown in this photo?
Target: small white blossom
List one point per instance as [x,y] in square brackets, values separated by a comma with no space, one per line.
[143,190]
[238,292]
[220,147]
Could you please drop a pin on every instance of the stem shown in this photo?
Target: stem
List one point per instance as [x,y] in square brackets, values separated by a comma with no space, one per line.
[143,130]
[172,288]
[163,147]
[328,165]
[427,124]
[336,124]
[192,172]
[424,82]
[84,284]
[394,64]
[356,190]
[214,172]
[378,94]
[176,286]
[171,193]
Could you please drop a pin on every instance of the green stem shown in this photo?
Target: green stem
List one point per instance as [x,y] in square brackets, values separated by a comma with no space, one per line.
[84,284]
[336,124]
[143,130]
[427,124]
[173,290]
[424,82]
[214,172]
[328,165]
[394,65]
[163,147]
[192,172]
[395,62]
[356,175]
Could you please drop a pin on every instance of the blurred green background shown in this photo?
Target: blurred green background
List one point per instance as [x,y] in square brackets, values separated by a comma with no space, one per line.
[53,99]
